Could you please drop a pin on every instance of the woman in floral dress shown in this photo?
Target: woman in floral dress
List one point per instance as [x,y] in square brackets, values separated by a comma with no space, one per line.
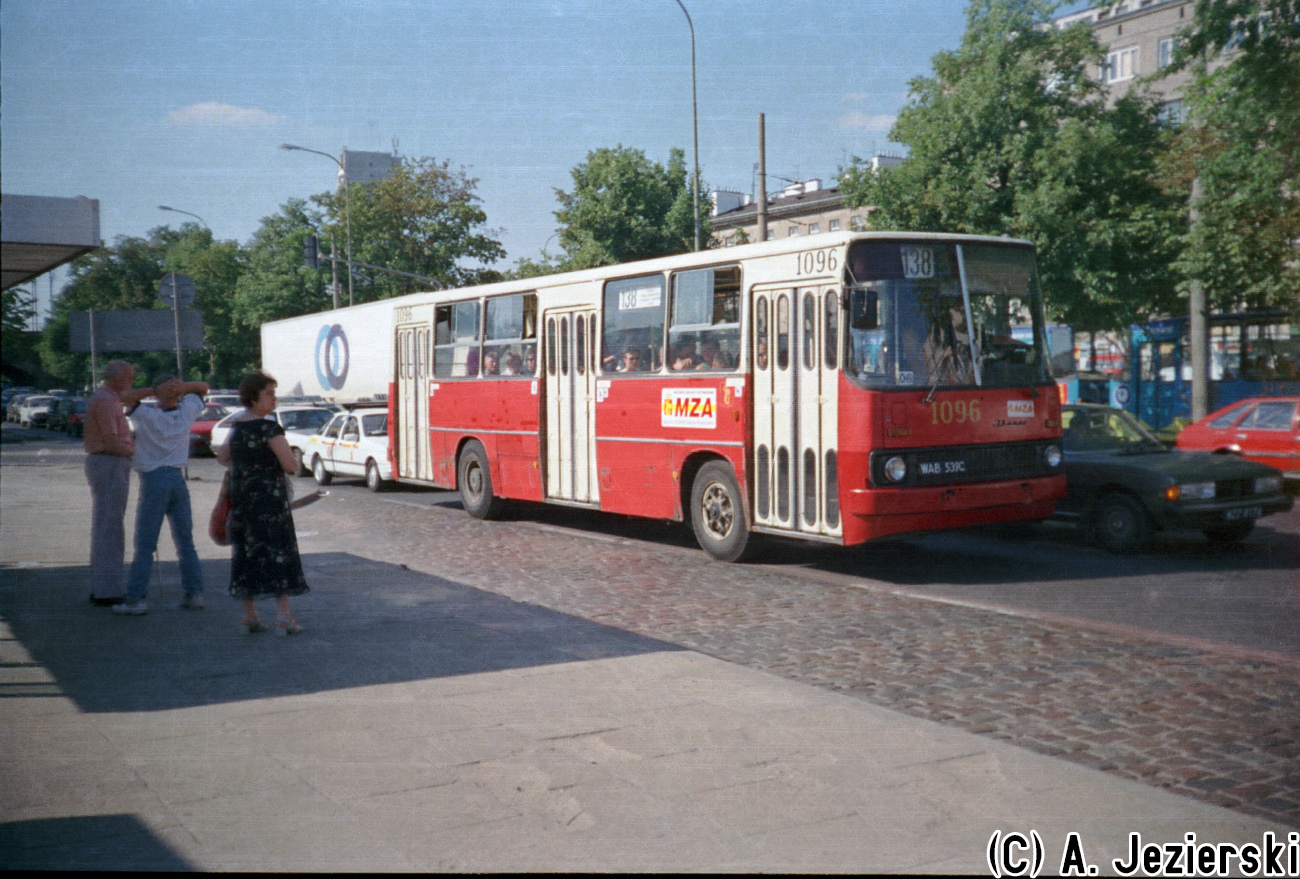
[265,560]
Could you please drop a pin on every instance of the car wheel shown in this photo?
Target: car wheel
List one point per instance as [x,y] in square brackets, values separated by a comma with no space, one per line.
[323,476]
[1230,532]
[474,481]
[1121,524]
[302,465]
[718,514]
[373,482]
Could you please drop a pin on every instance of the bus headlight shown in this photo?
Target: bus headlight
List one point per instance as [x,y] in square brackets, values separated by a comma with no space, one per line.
[1052,455]
[896,469]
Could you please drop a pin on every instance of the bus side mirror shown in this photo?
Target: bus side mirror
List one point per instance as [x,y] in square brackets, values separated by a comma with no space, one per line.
[864,310]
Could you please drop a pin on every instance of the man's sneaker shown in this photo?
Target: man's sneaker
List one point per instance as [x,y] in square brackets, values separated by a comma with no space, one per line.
[193,602]
[131,608]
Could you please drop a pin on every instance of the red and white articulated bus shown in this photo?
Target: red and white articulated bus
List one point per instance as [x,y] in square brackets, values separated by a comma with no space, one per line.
[845,388]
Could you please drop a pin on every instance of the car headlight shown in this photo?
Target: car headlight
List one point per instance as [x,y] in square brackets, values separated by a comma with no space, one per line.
[1192,491]
[1052,456]
[1268,485]
[896,469]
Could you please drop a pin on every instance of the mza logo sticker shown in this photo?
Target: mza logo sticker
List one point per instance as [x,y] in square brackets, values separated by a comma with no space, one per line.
[1020,408]
[694,407]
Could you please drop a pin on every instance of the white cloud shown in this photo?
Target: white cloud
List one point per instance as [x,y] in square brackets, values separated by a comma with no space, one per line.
[225,115]
[863,122]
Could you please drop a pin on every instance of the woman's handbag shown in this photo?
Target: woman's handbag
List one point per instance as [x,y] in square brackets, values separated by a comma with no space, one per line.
[219,523]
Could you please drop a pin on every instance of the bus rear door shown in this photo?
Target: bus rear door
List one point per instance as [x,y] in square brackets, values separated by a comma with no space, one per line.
[569,357]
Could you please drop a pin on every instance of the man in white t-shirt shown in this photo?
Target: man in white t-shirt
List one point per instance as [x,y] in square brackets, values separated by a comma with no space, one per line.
[162,446]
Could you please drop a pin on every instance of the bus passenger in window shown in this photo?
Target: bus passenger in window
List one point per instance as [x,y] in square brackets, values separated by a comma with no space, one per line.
[491,362]
[631,361]
[760,355]
[514,364]
[530,361]
[708,350]
[684,355]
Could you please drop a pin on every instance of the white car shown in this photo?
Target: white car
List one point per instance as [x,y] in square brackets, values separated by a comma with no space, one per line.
[299,423]
[34,410]
[221,430]
[354,443]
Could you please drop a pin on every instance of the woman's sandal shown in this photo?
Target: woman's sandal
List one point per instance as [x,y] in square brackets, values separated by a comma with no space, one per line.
[252,625]
[290,626]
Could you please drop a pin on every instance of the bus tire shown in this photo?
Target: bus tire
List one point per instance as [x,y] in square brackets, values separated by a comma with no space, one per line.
[718,514]
[323,476]
[1121,523]
[474,480]
[373,482]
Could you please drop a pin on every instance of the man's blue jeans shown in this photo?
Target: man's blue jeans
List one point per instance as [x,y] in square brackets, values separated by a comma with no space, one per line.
[163,493]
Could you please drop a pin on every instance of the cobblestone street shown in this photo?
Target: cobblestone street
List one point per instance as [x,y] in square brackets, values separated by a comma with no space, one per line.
[1199,723]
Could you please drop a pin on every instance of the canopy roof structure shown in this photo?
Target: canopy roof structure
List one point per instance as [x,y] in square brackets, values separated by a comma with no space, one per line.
[40,233]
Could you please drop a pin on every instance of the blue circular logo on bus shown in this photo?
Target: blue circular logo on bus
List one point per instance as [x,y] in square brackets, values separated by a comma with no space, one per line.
[332,357]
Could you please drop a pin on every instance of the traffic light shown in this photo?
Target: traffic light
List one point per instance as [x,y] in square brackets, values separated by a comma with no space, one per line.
[311,252]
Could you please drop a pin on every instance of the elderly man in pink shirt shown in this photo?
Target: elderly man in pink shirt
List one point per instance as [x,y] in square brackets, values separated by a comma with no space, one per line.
[109,447]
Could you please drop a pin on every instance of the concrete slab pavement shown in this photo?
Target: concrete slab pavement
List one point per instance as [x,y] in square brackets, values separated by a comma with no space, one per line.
[423,724]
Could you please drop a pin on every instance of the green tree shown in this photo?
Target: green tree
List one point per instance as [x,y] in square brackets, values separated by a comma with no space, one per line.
[18,345]
[276,282]
[1242,142]
[624,207]
[1011,136]
[122,277]
[127,275]
[425,219]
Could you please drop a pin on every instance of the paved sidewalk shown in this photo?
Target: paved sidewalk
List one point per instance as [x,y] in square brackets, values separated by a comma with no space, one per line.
[425,724]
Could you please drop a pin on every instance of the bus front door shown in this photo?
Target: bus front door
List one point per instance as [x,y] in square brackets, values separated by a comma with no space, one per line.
[569,358]
[795,357]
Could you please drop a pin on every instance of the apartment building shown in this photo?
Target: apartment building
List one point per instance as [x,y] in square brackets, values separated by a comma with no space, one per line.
[1140,37]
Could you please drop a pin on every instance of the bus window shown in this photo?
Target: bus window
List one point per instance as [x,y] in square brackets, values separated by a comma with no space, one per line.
[634,321]
[704,333]
[809,330]
[511,332]
[550,347]
[455,349]
[832,331]
[783,333]
[761,339]
[580,352]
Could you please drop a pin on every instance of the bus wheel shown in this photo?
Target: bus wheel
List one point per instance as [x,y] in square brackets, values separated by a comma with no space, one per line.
[475,483]
[323,476]
[1121,523]
[718,515]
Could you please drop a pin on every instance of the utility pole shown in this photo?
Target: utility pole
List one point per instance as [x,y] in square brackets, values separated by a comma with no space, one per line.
[762,181]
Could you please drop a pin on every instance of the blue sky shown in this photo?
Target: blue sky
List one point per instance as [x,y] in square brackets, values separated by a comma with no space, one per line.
[184,102]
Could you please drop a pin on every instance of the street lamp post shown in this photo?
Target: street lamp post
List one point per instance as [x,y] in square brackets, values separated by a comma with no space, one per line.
[163,207]
[695,124]
[347,202]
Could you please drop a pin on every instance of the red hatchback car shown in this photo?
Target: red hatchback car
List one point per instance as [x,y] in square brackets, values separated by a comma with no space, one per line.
[1263,429]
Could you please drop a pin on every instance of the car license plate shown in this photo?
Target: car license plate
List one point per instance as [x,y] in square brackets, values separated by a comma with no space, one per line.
[1245,513]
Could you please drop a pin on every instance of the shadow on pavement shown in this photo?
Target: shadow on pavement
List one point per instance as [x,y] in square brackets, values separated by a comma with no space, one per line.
[367,623]
[98,842]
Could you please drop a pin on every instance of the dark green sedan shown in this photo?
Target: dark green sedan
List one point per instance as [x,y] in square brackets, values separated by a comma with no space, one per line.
[1124,484]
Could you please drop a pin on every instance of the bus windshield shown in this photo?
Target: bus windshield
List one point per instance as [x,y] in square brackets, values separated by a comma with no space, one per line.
[943,314]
